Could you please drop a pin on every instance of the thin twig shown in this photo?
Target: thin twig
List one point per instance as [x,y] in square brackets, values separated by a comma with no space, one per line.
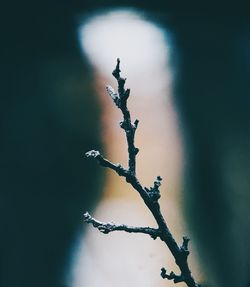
[149,195]
[107,227]
[106,163]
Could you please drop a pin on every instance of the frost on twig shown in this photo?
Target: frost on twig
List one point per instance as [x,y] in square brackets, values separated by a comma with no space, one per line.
[149,195]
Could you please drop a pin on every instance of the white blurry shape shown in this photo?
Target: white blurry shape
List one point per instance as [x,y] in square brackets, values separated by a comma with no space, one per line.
[126,35]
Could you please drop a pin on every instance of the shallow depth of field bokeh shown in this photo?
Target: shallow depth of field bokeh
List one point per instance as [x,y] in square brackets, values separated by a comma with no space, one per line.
[188,69]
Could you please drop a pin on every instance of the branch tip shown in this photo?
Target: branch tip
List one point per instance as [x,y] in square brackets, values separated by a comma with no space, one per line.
[107,227]
[92,153]
[157,182]
[86,217]
[116,72]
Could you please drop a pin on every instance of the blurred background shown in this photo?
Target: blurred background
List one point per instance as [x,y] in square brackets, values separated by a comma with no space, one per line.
[188,69]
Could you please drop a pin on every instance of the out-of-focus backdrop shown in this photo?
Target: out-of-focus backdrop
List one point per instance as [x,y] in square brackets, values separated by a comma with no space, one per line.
[188,69]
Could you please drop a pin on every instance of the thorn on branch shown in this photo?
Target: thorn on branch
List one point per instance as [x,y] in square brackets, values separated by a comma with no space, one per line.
[171,276]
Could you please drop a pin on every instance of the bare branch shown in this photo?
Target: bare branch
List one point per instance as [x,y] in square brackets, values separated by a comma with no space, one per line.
[150,195]
[110,226]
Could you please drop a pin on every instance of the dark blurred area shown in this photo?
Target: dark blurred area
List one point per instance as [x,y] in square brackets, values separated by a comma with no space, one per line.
[212,89]
[50,116]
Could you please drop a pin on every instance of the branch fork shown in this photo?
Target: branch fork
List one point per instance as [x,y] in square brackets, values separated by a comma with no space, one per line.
[150,195]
